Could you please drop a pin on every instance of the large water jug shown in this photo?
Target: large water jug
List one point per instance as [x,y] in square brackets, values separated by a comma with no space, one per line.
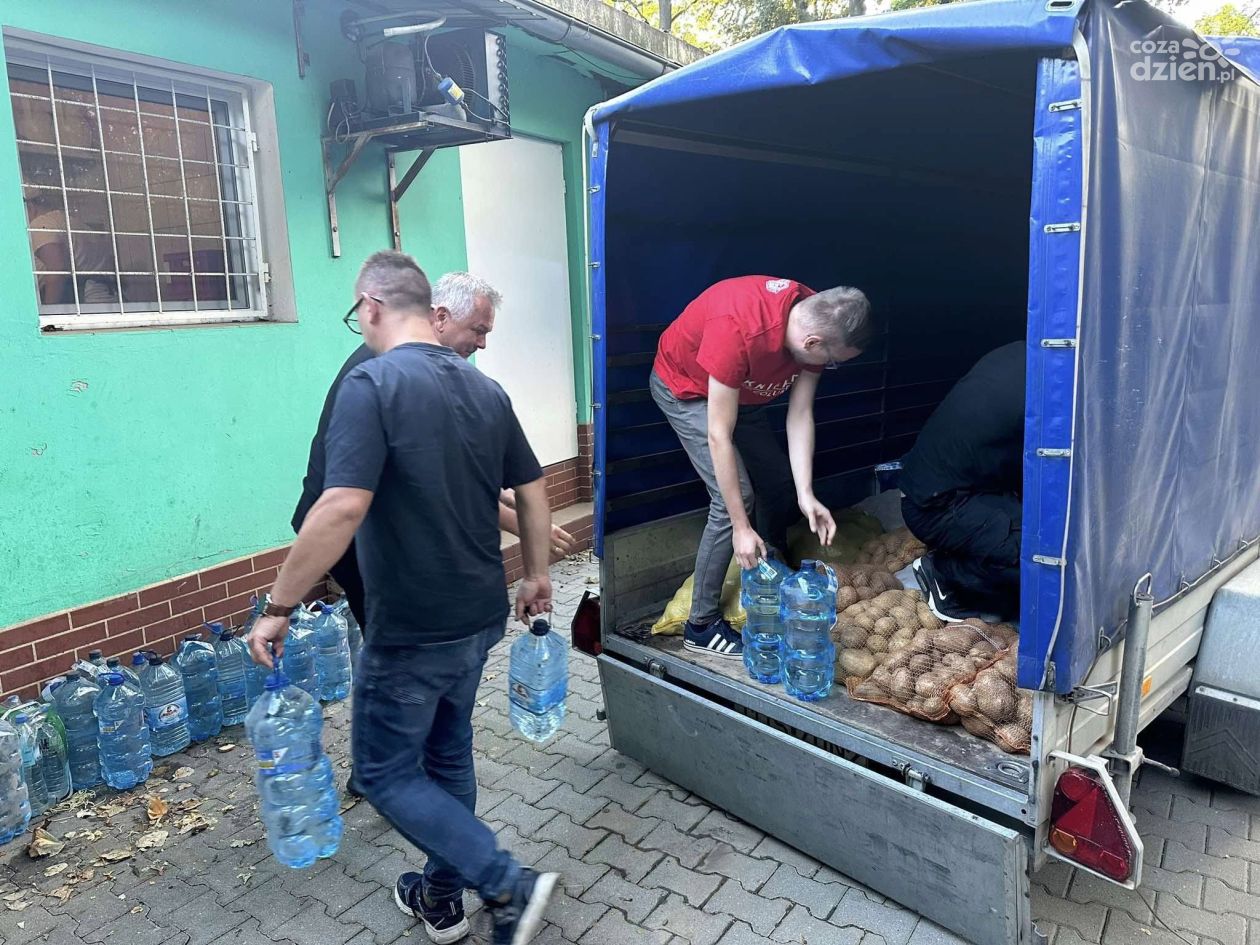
[199,666]
[294,777]
[53,754]
[165,707]
[332,653]
[234,663]
[32,763]
[76,704]
[115,665]
[123,739]
[763,631]
[538,682]
[299,663]
[354,633]
[15,805]
[255,673]
[808,609]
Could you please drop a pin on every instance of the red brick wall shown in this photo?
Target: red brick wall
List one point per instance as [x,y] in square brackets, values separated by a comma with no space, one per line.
[152,618]
[581,527]
[569,482]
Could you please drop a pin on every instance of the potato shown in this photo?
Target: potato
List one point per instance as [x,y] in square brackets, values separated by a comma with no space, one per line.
[954,640]
[898,660]
[995,697]
[1012,737]
[983,648]
[885,625]
[920,663]
[857,663]
[929,684]
[920,644]
[978,725]
[934,707]
[955,662]
[846,597]
[865,621]
[1006,666]
[877,643]
[963,700]
[853,637]
[881,677]
[902,685]
[1024,709]
[900,639]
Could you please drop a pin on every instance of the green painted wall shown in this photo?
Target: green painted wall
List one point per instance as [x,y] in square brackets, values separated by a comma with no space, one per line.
[127,457]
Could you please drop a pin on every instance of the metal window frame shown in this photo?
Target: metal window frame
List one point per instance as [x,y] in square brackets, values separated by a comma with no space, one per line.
[138,72]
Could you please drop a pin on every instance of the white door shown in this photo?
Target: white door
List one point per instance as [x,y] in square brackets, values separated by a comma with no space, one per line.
[515,230]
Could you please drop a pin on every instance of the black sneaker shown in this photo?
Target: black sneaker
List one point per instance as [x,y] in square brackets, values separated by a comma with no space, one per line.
[518,920]
[940,601]
[717,639]
[443,921]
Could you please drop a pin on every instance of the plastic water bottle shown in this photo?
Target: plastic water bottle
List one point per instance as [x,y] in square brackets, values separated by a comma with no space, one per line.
[97,659]
[76,704]
[538,682]
[32,766]
[198,665]
[255,673]
[298,662]
[763,632]
[130,677]
[808,608]
[354,633]
[165,707]
[294,778]
[50,687]
[15,805]
[234,660]
[54,757]
[123,741]
[333,653]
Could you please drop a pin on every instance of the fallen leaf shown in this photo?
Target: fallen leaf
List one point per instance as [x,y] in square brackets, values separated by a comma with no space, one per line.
[85,813]
[228,809]
[13,897]
[184,772]
[230,746]
[194,823]
[185,786]
[116,856]
[244,878]
[162,771]
[213,774]
[71,835]
[83,876]
[62,892]
[44,844]
[16,905]
[56,868]
[189,803]
[153,840]
[136,910]
[244,843]
[109,810]
[91,836]
[157,808]
[481,703]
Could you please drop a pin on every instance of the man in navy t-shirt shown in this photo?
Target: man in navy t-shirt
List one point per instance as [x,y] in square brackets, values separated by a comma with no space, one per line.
[418,447]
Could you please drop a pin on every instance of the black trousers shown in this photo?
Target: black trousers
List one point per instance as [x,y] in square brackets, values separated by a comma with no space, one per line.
[975,539]
[774,507]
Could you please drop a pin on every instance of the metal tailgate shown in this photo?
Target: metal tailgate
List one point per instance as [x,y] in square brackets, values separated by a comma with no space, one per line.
[958,869]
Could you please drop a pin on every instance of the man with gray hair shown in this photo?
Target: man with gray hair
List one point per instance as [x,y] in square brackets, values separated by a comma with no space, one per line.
[419,445]
[739,345]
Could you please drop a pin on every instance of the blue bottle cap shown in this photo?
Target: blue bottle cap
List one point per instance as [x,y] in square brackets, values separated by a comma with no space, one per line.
[138,659]
[276,681]
[113,679]
[21,718]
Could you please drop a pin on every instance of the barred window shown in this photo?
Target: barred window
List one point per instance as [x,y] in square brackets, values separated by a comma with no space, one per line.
[139,190]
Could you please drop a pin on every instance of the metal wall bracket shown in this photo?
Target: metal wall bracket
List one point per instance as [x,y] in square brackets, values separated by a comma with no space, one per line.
[1066,106]
[1073,227]
[1058,342]
[1053,453]
[1049,560]
[303,57]
[397,188]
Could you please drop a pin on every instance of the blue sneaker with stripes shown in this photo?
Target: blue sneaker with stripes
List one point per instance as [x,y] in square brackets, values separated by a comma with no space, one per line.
[716,639]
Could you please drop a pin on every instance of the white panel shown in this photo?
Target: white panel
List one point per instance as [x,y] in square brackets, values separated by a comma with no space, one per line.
[515,230]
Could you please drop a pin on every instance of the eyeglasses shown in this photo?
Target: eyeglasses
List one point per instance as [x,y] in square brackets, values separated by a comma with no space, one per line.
[351,320]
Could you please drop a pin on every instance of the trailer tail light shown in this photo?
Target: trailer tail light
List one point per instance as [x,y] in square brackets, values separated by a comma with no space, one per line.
[1088,827]
[586,625]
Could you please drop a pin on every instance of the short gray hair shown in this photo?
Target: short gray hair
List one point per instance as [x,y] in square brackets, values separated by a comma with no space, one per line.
[396,279]
[842,314]
[457,292]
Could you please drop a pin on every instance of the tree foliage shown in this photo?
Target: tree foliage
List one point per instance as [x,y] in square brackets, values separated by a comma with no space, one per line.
[1230,20]
[712,24]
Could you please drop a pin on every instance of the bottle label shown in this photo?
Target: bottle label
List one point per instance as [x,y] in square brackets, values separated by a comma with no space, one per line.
[533,700]
[165,716]
[109,728]
[271,763]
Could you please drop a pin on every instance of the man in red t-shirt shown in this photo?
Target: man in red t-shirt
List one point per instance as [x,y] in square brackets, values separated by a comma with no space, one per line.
[740,345]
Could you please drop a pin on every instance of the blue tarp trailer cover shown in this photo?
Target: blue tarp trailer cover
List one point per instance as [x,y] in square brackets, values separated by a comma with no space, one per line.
[1085,176]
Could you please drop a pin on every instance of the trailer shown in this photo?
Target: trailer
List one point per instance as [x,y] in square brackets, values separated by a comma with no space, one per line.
[1083,176]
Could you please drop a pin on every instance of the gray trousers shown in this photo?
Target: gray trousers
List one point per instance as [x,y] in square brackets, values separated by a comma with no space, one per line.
[765,482]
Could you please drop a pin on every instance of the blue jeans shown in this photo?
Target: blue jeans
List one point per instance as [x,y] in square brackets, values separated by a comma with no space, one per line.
[412,745]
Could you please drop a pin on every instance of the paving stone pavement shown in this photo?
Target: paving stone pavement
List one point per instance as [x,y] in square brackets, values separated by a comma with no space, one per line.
[643,861]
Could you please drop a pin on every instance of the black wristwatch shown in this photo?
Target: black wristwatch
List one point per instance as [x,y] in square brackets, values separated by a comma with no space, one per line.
[272,609]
